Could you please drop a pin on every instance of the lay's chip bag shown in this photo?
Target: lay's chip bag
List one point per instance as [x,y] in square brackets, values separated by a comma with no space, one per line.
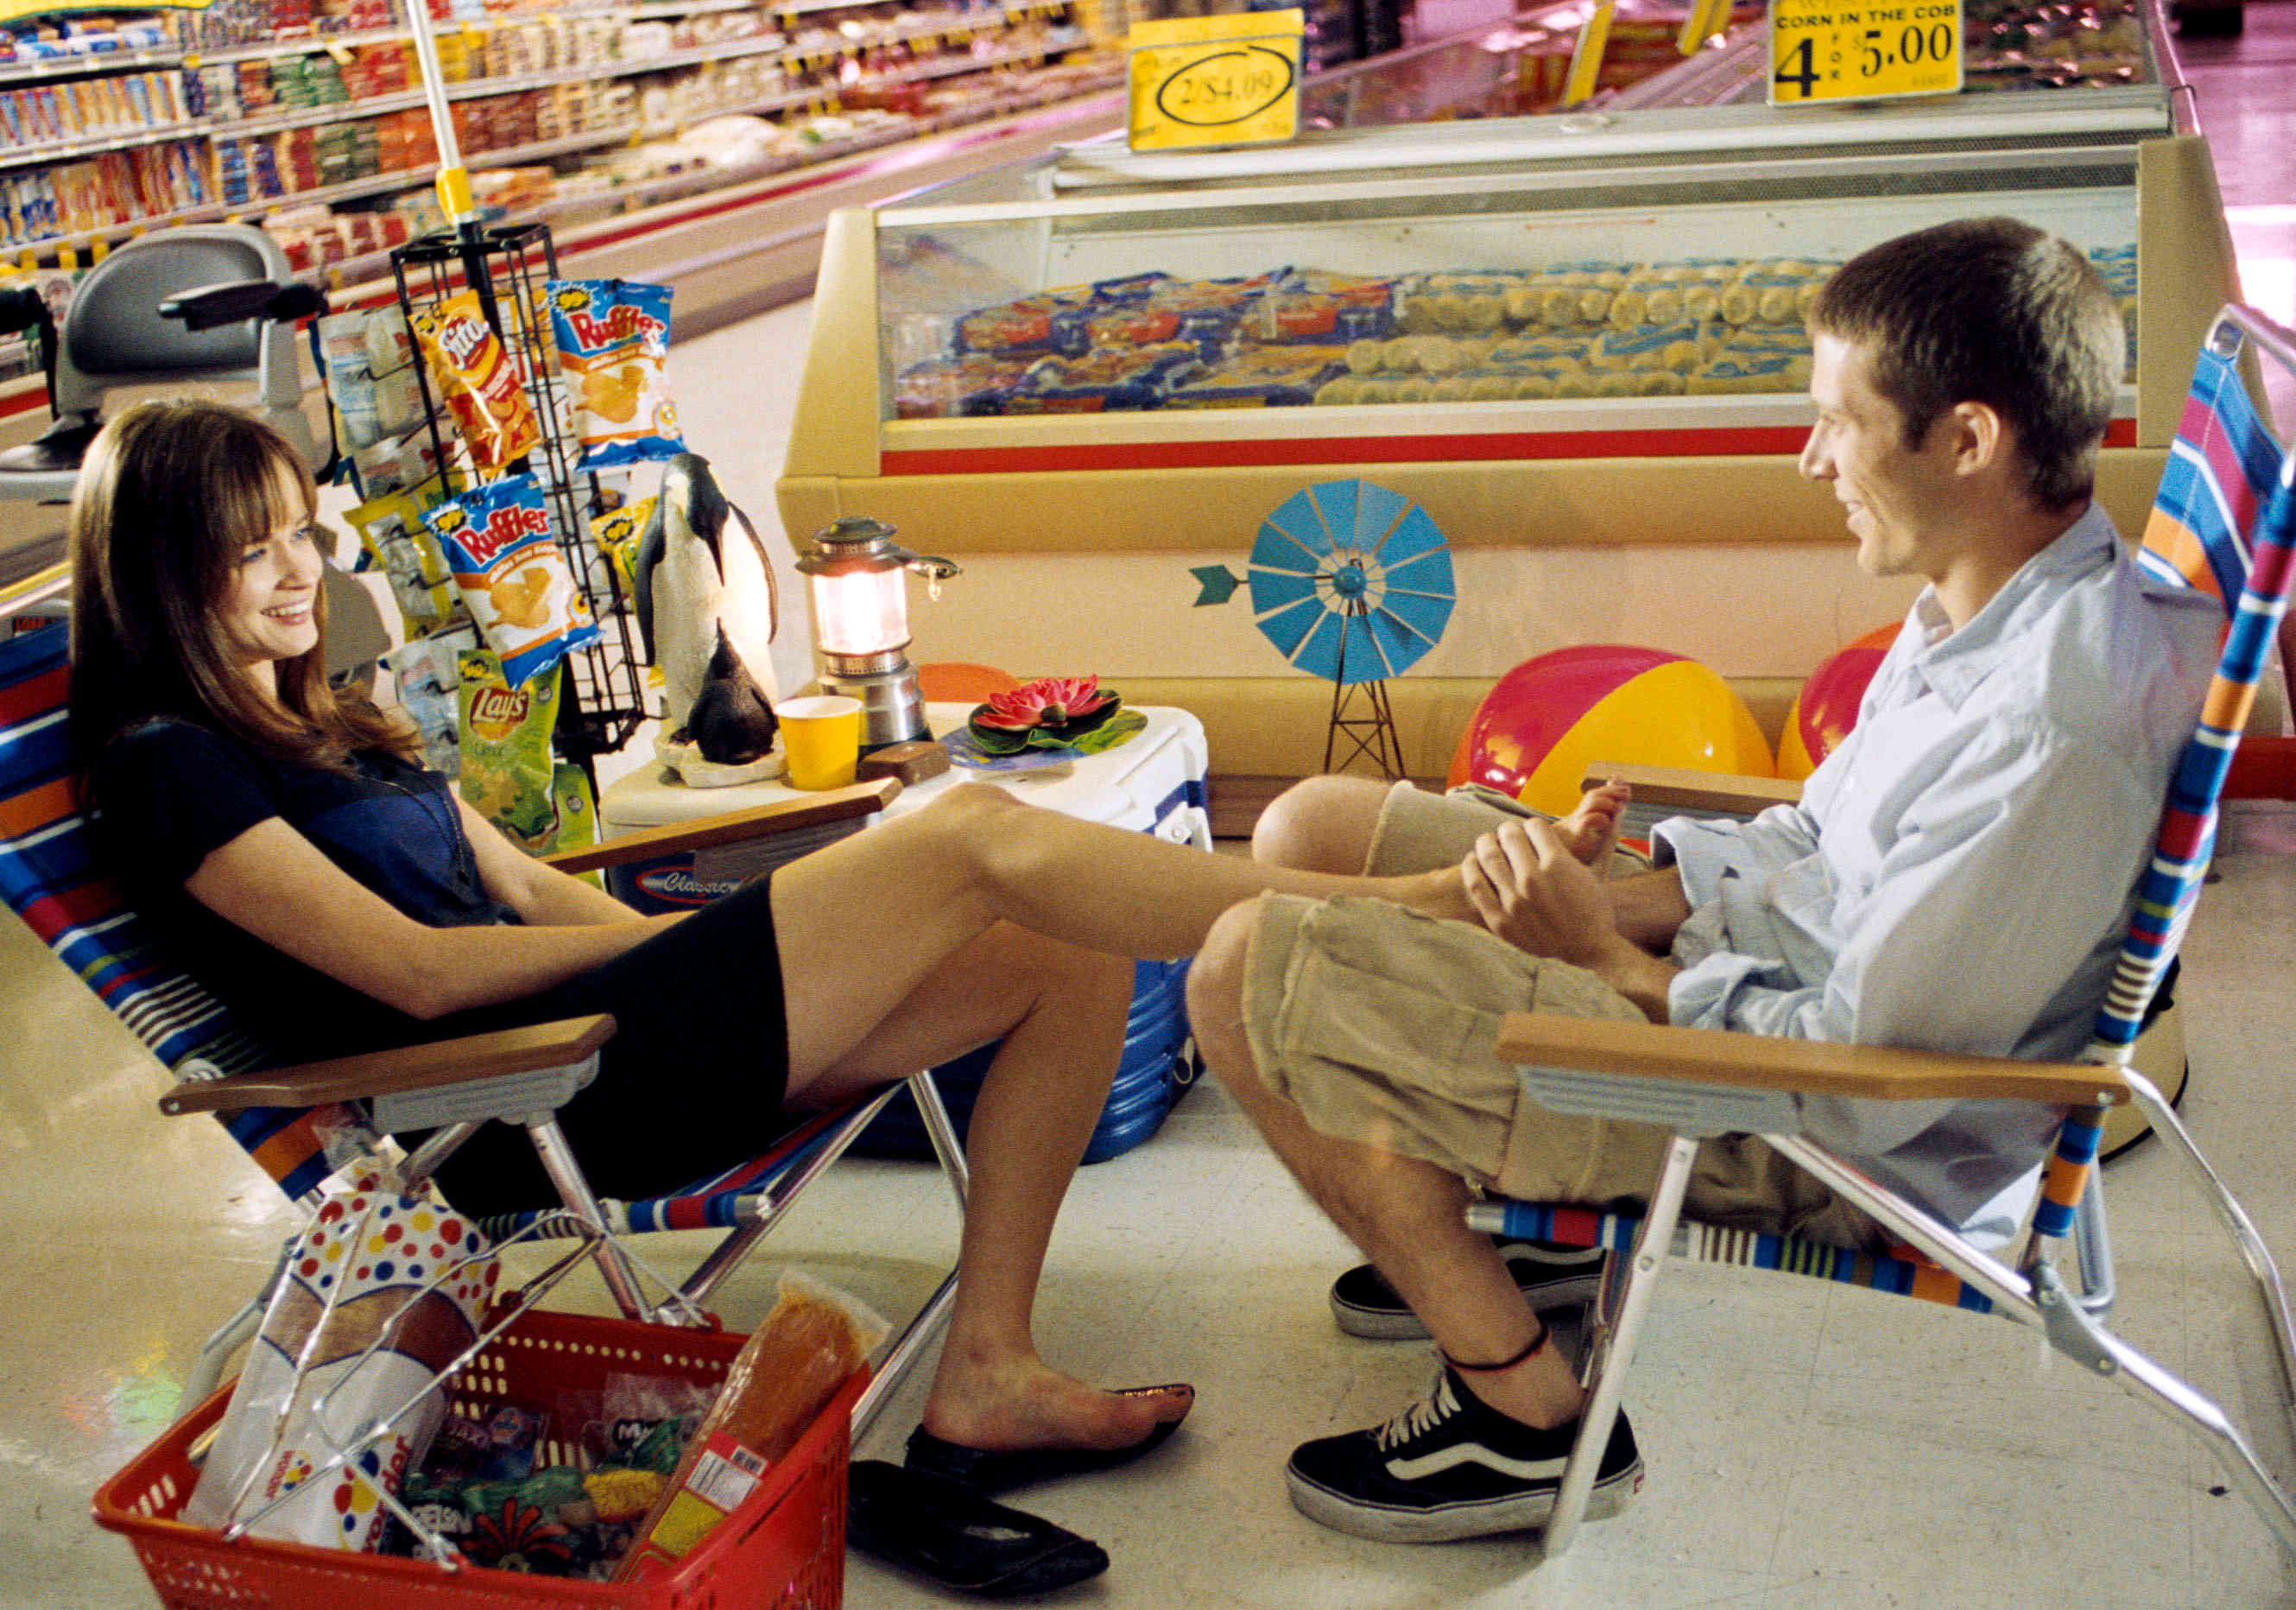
[613,339]
[513,576]
[507,770]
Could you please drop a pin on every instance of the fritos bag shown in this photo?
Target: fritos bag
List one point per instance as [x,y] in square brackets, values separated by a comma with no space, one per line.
[478,380]
[613,336]
[513,576]
[507,772]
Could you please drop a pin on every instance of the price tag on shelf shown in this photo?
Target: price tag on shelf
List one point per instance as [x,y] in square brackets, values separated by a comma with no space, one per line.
[1228,80]
[1863,50]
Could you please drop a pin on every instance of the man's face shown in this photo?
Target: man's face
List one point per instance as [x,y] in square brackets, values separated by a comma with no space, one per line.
[1895,495]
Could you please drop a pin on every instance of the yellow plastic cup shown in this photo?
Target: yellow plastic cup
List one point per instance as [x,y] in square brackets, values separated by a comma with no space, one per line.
[821,737]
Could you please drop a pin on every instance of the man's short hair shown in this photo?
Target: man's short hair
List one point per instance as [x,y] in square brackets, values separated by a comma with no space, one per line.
[1993,311]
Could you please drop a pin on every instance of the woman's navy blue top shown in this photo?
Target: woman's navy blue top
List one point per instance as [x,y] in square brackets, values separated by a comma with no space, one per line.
[171,792]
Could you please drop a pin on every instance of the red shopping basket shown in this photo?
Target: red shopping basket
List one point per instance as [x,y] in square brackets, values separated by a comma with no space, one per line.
[782,1549]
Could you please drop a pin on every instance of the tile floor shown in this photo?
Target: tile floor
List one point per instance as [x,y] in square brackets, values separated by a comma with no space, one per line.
[1810,1449]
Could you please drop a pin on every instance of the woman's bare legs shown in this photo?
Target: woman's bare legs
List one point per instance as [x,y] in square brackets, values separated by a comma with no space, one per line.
[863,924]
[1061,1011]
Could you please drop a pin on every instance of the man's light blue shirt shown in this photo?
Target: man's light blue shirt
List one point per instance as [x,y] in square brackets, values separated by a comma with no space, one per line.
[1958,874]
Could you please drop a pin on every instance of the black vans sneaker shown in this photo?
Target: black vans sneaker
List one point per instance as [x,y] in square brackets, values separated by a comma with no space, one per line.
[1549,1276]
[1451,1466]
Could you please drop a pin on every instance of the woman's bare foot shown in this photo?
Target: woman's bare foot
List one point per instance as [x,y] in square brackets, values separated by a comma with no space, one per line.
[1592,830]
[1025,1403]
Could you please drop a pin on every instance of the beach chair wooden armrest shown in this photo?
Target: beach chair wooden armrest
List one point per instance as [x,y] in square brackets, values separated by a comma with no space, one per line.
[1713,1056]
[733,826]
[1696,791]
[428,1066]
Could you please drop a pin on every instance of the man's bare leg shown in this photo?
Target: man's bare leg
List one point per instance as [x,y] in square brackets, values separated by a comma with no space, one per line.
[1405,1214]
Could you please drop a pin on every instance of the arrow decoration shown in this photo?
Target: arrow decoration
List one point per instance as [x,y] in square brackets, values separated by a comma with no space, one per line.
[1219,584]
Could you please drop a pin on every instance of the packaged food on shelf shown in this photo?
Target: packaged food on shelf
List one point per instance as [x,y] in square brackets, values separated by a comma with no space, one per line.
[1108,380]
[1259,377]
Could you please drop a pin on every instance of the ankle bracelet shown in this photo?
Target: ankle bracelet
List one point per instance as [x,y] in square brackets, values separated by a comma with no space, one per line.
[1530,1350]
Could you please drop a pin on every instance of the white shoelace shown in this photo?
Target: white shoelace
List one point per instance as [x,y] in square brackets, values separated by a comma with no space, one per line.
[1437,1406]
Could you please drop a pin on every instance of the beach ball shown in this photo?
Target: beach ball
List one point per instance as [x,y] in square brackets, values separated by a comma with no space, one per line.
[961,682]
[1826,707]
[1549,719]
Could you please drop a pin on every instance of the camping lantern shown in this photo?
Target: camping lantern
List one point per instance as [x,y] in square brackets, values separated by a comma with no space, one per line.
[859,580]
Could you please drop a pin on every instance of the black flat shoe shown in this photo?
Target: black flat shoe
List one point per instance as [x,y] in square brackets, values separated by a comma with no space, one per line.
[994,1470]
[951,1535]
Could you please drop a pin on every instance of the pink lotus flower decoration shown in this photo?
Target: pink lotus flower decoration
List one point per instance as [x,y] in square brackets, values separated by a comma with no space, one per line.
[1047,701]
[1053,712]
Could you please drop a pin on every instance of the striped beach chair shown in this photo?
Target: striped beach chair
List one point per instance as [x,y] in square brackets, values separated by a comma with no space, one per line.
[2225,524]
[300,1124]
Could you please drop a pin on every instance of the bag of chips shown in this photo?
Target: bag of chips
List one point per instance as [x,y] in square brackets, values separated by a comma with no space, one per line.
[617,533]
[513,575]
[613,336]
[508,774]
[476,377]
[390,527]
[427,674]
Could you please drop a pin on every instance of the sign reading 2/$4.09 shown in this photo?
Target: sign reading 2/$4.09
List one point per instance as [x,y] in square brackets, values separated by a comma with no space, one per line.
[1863,50]
[1229,80]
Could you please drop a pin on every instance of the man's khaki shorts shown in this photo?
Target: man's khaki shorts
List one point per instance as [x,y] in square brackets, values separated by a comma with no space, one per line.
[1380,1025]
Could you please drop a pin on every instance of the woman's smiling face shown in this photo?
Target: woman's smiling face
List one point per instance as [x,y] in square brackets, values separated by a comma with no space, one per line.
[269,612]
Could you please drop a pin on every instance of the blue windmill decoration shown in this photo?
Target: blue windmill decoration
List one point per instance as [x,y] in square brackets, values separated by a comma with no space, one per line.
[1351,582]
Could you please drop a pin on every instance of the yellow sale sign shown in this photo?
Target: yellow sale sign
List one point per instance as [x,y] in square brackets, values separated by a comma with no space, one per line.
[1863,50]
[1231,80]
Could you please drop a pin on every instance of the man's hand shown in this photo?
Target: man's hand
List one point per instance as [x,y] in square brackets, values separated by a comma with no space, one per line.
[1529,886]
[1531,890]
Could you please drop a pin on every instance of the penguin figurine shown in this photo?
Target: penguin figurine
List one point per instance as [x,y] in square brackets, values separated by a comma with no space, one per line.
[707,612]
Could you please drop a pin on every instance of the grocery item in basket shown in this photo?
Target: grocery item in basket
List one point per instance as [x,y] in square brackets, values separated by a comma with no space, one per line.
[379,1296]
[507,770]
[477,379]
[513,576]
[784,1376]
[613,339]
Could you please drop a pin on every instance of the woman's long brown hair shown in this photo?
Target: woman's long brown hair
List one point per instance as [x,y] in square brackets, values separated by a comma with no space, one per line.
[170,496]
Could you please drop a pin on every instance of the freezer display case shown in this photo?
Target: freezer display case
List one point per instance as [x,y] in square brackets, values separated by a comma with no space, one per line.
[1581,329]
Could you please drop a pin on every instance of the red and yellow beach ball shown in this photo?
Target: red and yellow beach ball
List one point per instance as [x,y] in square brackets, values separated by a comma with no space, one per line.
[1826,707]
[1549,719]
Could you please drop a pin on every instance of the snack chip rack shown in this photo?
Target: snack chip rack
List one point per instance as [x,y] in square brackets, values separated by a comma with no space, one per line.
[605,694]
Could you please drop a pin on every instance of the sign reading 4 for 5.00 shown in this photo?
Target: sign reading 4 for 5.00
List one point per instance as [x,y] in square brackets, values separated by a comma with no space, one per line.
[1862,50]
